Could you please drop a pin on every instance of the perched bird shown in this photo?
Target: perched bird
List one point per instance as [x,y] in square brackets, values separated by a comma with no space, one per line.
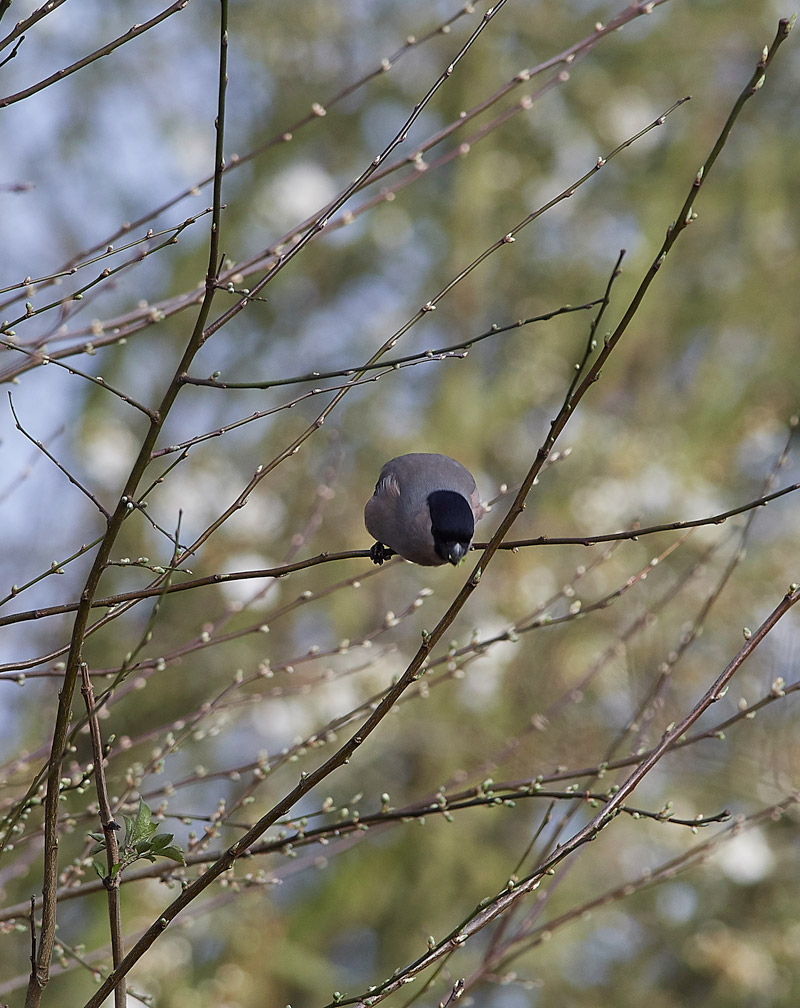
[424,508]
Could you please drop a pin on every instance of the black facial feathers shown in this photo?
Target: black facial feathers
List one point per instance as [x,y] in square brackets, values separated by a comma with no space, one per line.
[452,524]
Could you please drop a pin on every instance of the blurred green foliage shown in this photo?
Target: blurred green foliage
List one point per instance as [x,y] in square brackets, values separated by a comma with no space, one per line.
[687,420]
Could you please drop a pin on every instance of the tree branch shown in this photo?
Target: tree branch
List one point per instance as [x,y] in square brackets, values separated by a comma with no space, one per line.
[109,47]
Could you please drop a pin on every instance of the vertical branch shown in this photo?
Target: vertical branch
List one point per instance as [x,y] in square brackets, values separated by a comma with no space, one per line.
[219,156]
[40,974]
[109,828]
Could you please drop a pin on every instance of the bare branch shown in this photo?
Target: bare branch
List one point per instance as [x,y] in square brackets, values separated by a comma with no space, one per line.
[285,135]
[637,533]
[346,751]
[109,828]
[133,33]
[40,975]
[29,21]
[75,482]
[94,379]
[496,330]
[278,572]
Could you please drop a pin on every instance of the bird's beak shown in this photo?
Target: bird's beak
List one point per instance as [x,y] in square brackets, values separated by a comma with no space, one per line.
[456,554]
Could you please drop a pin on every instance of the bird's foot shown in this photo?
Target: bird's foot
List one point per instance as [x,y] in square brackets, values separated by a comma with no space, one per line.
[378,553]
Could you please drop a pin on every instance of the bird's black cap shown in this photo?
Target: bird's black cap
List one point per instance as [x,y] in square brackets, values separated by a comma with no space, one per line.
[452,524]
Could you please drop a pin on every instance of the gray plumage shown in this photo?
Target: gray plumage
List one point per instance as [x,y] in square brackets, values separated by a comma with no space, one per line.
[424,508]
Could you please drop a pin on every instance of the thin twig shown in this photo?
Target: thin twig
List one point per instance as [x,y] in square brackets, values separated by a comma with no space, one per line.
[653,876]
[500,904]
[75,482]
[94,379]
[123,326]
[15,50]
[29,21]
[277,572]
[110,250]
[637,533]
[109,47]
[495,330]
[294,446]
[647,709]
[56,567]
[78,295]
[507,788]
[109,828]
[322,220]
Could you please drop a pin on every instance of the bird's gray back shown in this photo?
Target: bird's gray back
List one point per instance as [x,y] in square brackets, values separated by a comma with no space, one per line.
[419,474]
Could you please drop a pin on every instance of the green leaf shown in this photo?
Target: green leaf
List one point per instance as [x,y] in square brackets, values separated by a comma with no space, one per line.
[162,840]
[143,826]
[173,853]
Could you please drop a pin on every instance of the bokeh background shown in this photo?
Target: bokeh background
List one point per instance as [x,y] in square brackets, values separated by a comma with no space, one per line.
[222,688]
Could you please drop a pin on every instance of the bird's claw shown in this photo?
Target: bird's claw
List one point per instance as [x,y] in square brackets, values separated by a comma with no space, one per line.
[378,553]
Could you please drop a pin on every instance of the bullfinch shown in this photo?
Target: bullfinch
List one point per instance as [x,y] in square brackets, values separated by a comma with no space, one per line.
[424,508]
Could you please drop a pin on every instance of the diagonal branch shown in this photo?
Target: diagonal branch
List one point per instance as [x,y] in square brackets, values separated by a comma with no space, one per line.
[28,22]
[109,47]
[56,463]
